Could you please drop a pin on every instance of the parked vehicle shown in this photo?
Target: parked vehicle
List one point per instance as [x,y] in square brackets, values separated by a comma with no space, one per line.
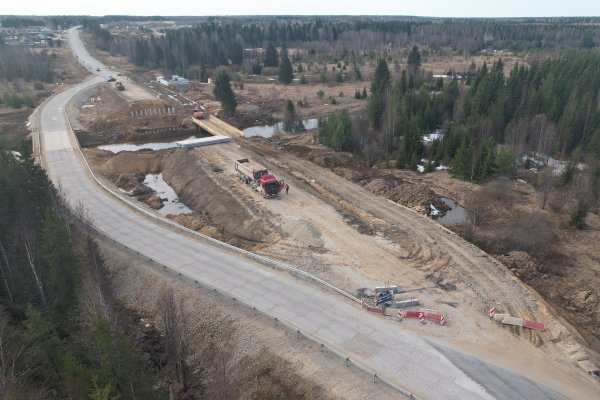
[259,178]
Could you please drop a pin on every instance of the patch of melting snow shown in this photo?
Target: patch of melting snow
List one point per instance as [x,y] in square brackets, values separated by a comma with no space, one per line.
[441,168]
[430,137]
[557,166]
[420,168]
[433,211]
[521,181]
[172,205]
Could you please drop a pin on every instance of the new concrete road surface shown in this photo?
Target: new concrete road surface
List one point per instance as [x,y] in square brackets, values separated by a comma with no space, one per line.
[381,345]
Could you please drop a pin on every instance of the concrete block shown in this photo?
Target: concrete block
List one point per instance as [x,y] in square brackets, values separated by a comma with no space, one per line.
[513,321]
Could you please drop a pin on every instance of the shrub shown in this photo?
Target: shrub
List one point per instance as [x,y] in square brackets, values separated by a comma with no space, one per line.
[578,215]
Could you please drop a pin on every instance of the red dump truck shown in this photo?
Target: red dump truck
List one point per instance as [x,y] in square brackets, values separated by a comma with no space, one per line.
[259,178]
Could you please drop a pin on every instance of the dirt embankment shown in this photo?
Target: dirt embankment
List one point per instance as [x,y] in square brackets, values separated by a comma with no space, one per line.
[384,183]
[220,210]
[229,214]
[108,118]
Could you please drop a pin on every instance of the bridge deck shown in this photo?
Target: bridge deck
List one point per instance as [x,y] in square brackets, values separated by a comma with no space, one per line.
[217,127]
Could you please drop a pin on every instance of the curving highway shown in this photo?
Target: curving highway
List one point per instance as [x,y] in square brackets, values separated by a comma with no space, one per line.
[430,371]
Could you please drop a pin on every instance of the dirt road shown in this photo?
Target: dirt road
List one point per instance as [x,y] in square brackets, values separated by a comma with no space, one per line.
[356,239]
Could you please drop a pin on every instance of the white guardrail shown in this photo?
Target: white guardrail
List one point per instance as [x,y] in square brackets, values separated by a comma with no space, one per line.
[259,258]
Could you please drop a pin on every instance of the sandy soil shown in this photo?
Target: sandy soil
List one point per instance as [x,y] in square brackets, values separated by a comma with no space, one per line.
[351,237]
[345,233]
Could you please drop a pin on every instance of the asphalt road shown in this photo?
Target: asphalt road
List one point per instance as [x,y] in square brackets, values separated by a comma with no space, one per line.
[429,371]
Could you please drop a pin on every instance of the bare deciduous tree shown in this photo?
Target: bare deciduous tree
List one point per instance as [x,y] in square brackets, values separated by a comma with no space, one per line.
[545,184]
[478,205]
[176,324]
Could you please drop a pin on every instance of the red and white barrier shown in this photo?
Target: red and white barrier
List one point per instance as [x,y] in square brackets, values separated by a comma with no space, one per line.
[400,315]
[492,311]
[414,314]
[377,310]
[426,315]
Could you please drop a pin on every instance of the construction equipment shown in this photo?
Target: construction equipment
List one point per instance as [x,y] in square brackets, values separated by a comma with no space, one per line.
[383,298]
[259,178]
[199,112]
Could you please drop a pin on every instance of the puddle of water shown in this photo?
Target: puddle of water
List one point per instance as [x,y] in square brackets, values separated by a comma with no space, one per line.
[456,215]
[164,191]
[269,130]
[117,148]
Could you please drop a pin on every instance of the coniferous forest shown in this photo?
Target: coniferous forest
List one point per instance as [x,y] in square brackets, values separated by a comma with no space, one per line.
[59,330]
[490,116]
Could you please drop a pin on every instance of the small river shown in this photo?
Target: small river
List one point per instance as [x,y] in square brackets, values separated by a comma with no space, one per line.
[269,130]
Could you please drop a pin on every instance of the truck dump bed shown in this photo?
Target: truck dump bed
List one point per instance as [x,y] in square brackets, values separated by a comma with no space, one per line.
[250,168]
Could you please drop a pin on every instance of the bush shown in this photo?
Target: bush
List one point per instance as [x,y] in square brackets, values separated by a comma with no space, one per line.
[530,232]
[578,215]
[320,94]
[303,80]
[323,78]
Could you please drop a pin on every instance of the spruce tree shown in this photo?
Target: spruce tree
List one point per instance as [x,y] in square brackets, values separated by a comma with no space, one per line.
[271,57]
[222,92]
[285,67]
[414,60]
[381,79]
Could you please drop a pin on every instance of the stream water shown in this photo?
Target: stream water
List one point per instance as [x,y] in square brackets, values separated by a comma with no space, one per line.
[172,205]
[456,215]
[269,130]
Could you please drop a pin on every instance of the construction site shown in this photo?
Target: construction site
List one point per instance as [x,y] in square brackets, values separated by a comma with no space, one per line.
[366,231]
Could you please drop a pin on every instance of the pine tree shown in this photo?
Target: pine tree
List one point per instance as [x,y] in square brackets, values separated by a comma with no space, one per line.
[286,72]
[271,57]
[222,92]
